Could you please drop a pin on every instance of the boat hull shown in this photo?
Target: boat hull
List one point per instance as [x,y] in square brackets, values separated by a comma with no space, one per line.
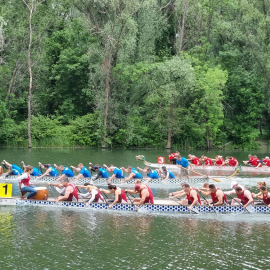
[170,208]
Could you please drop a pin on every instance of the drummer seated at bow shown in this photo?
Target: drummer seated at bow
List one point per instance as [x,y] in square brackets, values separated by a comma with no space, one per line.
[119,194]
[152,174]
[82,170]
[35,172]
[92,192]
[217,196]
[66,172]
[70,190]
[12,168]
[51,171]
[133,174]
[117,173]
[101,172]
[24,183]
[192,197]
[146,194]
[244,197]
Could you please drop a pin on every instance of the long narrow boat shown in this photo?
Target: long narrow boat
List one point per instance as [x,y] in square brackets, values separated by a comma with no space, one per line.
[212,170]
[159,206]
[103,181]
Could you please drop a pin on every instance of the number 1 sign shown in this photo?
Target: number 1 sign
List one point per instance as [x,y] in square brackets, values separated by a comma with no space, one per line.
[5,190]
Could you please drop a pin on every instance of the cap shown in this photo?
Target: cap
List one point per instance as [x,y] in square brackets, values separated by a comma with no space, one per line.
[266,157]
[137,187]
[233,183]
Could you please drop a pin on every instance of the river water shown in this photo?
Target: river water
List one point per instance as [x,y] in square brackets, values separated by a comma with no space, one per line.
[55,238]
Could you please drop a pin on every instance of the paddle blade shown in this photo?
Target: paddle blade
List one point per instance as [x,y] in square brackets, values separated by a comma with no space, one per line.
[217,180]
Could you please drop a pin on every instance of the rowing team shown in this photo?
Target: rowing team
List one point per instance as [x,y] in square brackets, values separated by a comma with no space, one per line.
[69,192]
[102,172]
[194,161]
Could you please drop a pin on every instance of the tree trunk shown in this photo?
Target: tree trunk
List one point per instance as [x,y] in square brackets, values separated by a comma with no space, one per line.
[209,141]
[107,93]
[181,27]
[170,121]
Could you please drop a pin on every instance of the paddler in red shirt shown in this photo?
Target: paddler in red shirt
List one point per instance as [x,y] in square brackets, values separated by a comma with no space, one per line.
[249,161]
[71,192]
[207,161]
[192,197]
[219,161]
[195,161]
[231,161]
[266,161]
[172,157]
[217,195]
[146,194]
[264,195]
[244,197]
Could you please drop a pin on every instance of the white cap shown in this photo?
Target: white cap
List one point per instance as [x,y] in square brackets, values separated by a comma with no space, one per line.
[266,157]
[233,183]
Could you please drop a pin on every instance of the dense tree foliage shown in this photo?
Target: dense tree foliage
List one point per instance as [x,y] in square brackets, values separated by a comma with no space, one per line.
[137,73]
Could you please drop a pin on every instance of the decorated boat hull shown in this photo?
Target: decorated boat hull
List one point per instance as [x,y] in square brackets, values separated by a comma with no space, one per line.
[103,181]
[159,206]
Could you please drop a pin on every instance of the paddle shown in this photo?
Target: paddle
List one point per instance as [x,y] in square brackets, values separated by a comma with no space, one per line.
[193,209]
[192,171]
[236,171]
[129,198]
[240,204]
[208,203]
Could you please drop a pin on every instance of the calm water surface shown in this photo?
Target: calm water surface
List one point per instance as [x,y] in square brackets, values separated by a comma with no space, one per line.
[54,238]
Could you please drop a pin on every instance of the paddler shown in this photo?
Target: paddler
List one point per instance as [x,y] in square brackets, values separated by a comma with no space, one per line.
[217,196]
[207,161]
[181,192]
[172,157]
[49,170]
[101,172]
[12,168]
[192,197]
[82,170]
[167,174]
[133,174]
[152,174]
[66,172]
[219,161]
[231,161]
[92,192]
[264,195]
[24,182]
[119,194]
[195,161]
[244,197]
[117,173]
[146,194]
[71,192]
[35,172]
[234,185]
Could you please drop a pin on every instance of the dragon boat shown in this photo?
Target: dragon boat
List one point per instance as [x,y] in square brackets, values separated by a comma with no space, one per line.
[212,170]
[103,181]
[164,206]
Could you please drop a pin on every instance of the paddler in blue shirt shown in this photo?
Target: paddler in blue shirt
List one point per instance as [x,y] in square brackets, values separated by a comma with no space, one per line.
[101,172]
[82,170]
[13,169]
[152,174]
[35,172]
[49,170]
[183,163]
[117,173]
[167,174]
[65,172]
[133,174]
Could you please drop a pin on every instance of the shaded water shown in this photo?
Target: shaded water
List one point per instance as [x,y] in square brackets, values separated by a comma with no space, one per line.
[54,238]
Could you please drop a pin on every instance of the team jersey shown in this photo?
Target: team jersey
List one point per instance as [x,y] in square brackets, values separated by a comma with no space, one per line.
[74,194]
[233,162]
[53,171]
[171,175]
[208,162]
[215,198]
[104,173]
[36,172]
[137,174]
[266,199]
[150,198]
[191,199]
[153,174]
[118,173]
[17,168]
[68,172]
[220,161]
[183,162]
[85,172]
[196,161]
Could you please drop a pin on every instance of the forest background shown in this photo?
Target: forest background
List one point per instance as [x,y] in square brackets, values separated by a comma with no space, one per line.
[134,73]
